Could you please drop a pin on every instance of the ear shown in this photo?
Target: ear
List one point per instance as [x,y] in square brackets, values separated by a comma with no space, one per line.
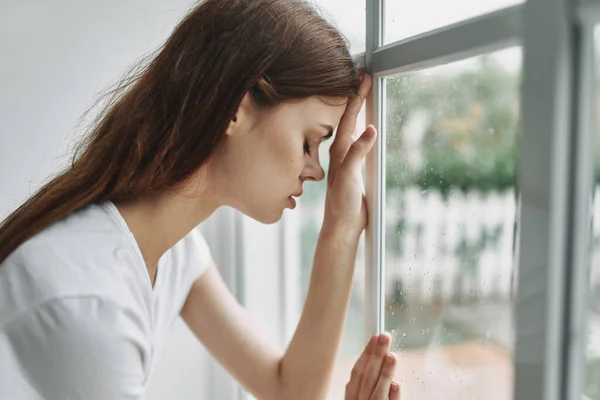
[244,117]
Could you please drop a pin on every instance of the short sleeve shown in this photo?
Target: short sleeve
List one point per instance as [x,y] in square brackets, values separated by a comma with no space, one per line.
[196,255]
[73,348]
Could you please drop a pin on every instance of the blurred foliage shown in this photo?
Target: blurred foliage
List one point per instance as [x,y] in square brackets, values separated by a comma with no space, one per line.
[469,122]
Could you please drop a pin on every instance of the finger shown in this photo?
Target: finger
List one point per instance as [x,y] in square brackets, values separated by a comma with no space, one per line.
[361,147]
[394,393]
[382,389]
[371,373]
[343,139]
[348,120]
[358,369]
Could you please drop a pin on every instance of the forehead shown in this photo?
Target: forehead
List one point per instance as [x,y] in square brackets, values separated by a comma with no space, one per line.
[325,110]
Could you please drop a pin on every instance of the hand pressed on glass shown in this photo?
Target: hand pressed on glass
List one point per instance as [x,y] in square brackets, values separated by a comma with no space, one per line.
[373,373]
[345,201]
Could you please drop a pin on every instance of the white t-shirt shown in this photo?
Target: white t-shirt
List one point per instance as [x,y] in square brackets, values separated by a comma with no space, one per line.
[79,318]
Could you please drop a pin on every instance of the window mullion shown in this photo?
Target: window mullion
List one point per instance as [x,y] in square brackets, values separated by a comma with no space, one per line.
[223,231]
[544,183]
[374,180]
[581,209]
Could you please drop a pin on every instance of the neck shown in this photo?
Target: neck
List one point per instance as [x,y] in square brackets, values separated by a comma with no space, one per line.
[159,223]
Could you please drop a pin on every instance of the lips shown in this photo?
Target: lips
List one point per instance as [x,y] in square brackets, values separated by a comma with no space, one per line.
[293,198]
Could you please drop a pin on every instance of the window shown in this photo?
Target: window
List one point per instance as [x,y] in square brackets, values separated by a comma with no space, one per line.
[450,207]
[507,293]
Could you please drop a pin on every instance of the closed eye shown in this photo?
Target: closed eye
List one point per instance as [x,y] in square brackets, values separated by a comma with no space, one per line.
[329,130]
[329,134]
[307,148]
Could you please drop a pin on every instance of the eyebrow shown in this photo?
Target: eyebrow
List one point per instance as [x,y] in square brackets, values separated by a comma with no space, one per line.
[329,130]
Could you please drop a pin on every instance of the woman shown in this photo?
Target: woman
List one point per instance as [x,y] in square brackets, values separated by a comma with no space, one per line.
[97,264]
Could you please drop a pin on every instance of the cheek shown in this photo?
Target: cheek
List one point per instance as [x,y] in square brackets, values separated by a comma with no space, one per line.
[293,163]
[284,149]
[290,156]
[298,159]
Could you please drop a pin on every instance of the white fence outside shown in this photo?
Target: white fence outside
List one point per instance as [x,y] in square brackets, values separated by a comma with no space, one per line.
[458,248]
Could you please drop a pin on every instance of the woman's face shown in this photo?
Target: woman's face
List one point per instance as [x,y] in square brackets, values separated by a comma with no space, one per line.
[269,154]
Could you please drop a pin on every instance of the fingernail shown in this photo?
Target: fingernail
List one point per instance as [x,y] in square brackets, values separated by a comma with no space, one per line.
[383,338]
[395,387]
[389,359]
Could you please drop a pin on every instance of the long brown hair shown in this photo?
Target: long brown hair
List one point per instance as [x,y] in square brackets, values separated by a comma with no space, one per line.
[166,118]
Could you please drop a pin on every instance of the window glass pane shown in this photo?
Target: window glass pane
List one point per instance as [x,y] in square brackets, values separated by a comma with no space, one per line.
[406,18]
[591,390]
[450,226]
[311,208]
[349,16]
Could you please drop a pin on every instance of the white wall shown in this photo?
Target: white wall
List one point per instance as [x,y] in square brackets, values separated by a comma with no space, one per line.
[55,56]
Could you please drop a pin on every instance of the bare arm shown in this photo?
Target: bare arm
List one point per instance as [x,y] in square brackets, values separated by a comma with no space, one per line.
[227,331]
[308,362]
[230,334]
[304,370]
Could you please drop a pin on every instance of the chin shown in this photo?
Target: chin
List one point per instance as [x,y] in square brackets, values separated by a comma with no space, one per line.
[269,219]
[264,216]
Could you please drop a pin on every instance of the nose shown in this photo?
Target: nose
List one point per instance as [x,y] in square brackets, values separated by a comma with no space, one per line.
[313,172]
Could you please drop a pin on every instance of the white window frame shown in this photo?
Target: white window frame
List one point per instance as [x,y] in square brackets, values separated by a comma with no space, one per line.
[555,174]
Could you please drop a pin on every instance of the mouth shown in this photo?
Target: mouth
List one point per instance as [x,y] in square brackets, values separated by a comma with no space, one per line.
[294,198]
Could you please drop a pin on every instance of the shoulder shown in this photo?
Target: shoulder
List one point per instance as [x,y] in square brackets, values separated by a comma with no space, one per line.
[191,256]
[194,247]
[84,254]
